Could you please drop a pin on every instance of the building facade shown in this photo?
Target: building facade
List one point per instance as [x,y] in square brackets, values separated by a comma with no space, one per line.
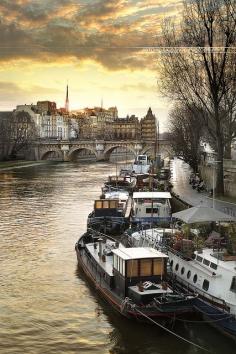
[149,127]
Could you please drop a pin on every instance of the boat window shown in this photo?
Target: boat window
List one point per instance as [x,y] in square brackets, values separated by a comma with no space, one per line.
[189,274]
[115,261]
[177,267]
[106,204]
[199,258]
[213,266]
[113,204]
[158,266]
[195,278]
[98,204]
[206,262]
[123,272]
[182,270]
[120,265]
[145,267]
[132,268]
[205,285]
[151,210]
[233,285]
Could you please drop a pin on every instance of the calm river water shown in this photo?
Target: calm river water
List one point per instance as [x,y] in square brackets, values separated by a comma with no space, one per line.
[46,304]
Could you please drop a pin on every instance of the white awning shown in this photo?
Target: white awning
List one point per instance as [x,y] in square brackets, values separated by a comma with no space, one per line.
[202,214]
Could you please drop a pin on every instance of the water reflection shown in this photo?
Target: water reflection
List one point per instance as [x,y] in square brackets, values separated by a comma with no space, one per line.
[46,304]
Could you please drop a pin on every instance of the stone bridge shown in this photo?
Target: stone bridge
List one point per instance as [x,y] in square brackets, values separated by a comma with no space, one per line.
[66,150]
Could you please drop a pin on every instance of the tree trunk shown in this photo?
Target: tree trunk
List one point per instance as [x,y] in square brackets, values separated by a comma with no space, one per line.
[227,152]
[220,168]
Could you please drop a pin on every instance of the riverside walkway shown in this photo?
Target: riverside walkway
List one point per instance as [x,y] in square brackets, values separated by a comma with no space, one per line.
[180,173]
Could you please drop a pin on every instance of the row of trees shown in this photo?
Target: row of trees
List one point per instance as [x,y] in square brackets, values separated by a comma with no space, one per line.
[200,75]
[17,132]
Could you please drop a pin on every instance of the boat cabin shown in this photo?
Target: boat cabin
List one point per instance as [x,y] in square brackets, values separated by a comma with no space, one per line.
[151,207]
[138,266]
[141,164]
[108,207]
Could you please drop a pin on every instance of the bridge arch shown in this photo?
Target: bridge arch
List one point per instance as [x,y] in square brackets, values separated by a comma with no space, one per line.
[75,151]
[164,151]
[108,151]
[52,154]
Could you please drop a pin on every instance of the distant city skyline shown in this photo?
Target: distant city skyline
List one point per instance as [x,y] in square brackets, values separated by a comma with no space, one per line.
[88,44]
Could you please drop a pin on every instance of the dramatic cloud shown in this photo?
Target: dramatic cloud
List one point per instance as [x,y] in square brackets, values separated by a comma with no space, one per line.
[109,32]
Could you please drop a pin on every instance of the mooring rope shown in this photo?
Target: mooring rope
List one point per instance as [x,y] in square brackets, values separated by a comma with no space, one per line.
[173,333]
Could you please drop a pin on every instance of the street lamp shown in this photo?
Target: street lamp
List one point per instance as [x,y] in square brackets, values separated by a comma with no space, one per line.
[213,182]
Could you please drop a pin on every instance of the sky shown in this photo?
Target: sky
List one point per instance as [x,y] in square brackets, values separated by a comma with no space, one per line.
[93,45]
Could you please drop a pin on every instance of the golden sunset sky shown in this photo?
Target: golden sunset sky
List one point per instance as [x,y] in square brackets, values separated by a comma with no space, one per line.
[92,44]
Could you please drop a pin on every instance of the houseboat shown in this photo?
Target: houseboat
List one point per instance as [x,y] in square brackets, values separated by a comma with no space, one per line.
[116,183]
[151,209]
[141,165]
[132,280]
[111,215]
[211,273]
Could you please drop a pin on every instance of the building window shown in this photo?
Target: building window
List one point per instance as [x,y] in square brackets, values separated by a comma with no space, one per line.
[182,270]
[205,285]
[233,285]
[189,274]
[195,278]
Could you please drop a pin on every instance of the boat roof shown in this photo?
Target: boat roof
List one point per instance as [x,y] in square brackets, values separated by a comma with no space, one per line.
[138,253]
[211,255]
[117,194]
[153,195]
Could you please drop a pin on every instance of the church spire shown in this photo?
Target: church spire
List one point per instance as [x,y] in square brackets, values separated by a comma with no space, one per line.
[67,100]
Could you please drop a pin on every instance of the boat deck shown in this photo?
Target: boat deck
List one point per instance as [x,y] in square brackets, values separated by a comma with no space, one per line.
[107,265]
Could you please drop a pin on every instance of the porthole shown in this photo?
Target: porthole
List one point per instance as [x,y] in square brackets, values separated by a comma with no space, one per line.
[182,270]
[171,263]
[205,285]
[189,274]
[195,278]
[177,267]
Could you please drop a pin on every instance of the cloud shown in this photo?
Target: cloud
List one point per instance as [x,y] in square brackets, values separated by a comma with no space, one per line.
[109,32]
[9,91]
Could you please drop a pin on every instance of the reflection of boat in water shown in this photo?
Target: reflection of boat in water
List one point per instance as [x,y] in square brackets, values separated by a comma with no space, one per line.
[132,280]
[151,208]
[111,214]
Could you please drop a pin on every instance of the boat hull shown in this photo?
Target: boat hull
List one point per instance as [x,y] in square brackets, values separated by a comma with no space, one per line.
[109,225]
[165,314]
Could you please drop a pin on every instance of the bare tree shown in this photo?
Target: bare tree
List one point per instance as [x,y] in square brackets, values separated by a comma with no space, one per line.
[18,131]
[186,129]
[198,72]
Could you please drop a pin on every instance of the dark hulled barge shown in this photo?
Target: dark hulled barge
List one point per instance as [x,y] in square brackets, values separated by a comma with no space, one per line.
[132,280]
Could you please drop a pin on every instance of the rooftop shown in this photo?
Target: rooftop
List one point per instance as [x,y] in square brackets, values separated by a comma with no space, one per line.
[138,253]
[152,195]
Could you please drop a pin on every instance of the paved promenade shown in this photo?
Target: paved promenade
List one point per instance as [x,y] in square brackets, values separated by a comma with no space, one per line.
[180,173]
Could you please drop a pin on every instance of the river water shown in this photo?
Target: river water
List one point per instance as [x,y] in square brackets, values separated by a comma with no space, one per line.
[46,304]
